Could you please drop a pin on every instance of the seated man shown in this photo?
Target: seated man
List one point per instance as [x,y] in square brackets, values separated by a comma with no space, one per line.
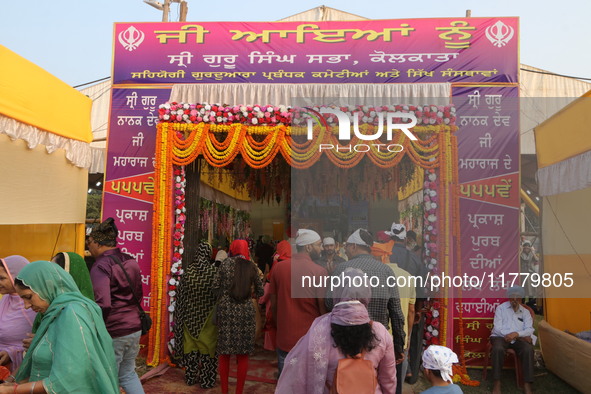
[513,329]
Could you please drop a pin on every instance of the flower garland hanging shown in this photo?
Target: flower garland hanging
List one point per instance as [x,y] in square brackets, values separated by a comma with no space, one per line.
[220,133]
[176,270]
[430,235]
[260,115]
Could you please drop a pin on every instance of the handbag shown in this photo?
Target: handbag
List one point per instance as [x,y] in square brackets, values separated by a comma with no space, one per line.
[145,320]
[354,375]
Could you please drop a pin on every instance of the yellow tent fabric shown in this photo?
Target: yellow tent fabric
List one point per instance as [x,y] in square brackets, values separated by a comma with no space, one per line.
[33,96]
[552,145]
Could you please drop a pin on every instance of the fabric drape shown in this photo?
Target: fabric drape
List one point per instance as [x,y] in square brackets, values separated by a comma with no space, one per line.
[195,333]
[75,266]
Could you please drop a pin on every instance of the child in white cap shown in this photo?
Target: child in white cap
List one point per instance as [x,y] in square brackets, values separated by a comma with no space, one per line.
[437,364]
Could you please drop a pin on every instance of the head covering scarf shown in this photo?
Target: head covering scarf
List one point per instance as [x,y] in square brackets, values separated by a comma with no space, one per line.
[355,238]
[328,241]
[306,237]
[105,232]
[75,265]
[284,250]
[382,236]
[195,299]
[221,255]
[440,358]
[15,320]
[348,292]
[398,231]
[239,248]
[306,366]
[72,333]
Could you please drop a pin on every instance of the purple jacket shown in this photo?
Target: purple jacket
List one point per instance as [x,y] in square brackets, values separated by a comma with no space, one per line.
[113,294]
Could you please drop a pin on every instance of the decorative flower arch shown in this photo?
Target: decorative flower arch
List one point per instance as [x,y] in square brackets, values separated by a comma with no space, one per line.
[259,133]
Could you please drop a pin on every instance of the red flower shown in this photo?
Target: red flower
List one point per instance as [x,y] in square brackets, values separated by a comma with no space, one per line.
[436,305]
[434,341]
[177,243]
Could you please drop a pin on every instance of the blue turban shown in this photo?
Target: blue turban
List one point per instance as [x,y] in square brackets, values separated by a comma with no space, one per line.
[516,291]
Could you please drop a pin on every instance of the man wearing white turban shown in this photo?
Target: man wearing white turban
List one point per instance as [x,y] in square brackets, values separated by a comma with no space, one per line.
[384,305]
[295,305]
[437,363]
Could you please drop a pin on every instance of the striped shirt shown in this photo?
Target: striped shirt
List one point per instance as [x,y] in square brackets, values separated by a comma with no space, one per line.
[384,305]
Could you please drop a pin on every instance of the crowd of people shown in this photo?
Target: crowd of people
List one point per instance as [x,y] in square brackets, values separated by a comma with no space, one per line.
[66,329]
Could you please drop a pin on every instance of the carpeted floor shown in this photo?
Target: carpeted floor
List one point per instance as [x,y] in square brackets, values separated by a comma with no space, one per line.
[262,369]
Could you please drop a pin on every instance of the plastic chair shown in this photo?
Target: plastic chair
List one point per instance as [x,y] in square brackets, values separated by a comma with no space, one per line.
[508,353]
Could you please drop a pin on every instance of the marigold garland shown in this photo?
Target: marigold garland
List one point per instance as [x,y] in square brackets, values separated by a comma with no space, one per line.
[183,135]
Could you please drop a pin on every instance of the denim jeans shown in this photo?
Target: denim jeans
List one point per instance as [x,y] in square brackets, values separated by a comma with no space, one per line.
[281,355]
[126,350]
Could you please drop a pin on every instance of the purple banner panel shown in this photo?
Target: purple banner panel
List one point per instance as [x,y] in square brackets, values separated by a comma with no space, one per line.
[372,51]
[488,154]
[129,176]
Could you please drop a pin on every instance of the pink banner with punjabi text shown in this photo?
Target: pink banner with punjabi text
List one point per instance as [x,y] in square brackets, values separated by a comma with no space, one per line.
[372,51]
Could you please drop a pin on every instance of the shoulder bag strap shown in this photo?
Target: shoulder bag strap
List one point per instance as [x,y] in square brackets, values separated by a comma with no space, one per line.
[135,298]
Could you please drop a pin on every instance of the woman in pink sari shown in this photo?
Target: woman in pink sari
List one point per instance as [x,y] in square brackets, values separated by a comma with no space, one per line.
[15,320]
[346,331]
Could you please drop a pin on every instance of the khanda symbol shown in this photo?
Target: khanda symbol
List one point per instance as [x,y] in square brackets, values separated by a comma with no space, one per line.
[499,34]
[131,38]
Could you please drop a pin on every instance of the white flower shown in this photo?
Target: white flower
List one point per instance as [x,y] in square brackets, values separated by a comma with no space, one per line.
[432,193]
[186,106]
[172,293]
[428,205]
[435,333]
[172,282]
[254,120]
[171,308]
[167,106]
[435,313]
[181,251]
[432,218]
[434,205]
[243,109]
[207,107]
[180,112]
[430,328]
[166,116]
[432,177]
[430,228]
[433,261]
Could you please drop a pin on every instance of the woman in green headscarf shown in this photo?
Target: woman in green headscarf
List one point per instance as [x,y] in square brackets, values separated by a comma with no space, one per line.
[74,264]
[72,351]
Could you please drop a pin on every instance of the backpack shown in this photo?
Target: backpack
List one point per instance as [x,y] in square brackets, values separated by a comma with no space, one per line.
[354,375]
